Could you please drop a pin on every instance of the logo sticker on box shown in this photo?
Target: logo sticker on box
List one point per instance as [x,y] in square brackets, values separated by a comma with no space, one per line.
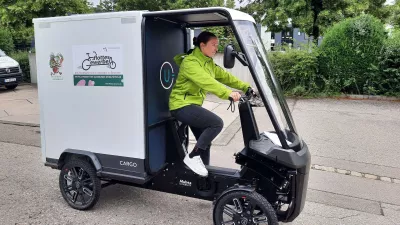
[55,63]
[98,65]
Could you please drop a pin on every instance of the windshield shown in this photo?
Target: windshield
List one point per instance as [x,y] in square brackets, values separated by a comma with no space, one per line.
[268,83]
[2,53]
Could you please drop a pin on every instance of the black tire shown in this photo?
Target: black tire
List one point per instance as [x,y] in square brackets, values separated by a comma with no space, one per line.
[80,184]
[241,207]
[11,86]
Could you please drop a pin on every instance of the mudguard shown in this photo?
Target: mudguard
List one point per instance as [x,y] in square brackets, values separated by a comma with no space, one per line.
[91,155]
[234,188]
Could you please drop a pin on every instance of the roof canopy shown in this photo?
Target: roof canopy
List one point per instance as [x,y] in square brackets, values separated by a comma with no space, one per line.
[201,16]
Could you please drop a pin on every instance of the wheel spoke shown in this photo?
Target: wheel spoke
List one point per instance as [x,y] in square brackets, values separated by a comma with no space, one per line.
[83,198]
[80,173]
[238,205]
[68,188]
[228,211]
[86,180]
[74,196]
[87,191]
[260,219]
[67,178]
[74,172]
[229,222]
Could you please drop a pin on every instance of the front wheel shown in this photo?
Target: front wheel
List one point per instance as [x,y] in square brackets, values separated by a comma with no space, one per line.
[79,185]
[241,207]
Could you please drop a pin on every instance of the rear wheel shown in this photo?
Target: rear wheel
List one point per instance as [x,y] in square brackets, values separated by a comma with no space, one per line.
[79,185]
[244,208]
[11,86]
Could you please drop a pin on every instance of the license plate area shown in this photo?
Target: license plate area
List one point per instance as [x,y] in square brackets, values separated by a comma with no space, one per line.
[10,80]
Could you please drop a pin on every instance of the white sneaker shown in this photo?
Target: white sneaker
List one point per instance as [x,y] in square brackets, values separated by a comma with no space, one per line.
[196,165]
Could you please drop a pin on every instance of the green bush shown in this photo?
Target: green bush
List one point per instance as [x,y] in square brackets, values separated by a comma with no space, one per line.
[349,54]
[297,71]
[6,41]
[23,59]
[388,81]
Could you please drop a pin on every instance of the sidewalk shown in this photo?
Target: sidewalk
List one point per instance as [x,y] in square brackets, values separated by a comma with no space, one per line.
[20,106]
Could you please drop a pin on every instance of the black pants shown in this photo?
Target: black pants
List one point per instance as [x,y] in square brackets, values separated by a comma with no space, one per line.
[204,124]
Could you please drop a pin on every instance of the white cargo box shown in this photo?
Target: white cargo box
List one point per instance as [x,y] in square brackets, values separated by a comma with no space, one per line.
[104,81]
[90,84]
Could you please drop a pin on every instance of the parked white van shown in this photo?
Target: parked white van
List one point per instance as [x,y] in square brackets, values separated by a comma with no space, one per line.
[10,71]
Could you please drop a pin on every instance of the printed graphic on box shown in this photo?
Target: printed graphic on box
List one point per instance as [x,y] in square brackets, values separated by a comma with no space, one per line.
[56,62]
[98,65]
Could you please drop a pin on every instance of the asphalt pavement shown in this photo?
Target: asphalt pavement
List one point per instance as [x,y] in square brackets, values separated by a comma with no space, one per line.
[355,178]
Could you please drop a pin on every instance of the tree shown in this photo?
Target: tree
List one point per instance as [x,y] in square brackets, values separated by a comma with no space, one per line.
[105,6]
[230,4]
[311,16]
[154,5]
[157,5]
[6,41]
[394,18]
[17,15]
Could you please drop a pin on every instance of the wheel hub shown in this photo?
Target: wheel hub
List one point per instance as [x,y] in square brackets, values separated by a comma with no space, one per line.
[78,185]
[244,221]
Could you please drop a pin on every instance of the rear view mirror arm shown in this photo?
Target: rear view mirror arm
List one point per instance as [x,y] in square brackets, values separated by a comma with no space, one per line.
[241,57]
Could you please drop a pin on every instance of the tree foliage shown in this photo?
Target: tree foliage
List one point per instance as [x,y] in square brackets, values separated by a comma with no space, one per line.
[156,5]
[6,41]
[350,53]
[394,18]
[311,16]
[17,15]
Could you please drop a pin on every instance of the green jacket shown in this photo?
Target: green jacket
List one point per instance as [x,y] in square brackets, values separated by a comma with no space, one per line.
[198,75]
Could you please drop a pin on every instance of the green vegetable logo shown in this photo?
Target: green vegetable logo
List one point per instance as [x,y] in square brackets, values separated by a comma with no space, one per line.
[55,63]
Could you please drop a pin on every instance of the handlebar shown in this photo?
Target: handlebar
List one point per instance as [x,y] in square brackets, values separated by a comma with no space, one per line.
[250,93]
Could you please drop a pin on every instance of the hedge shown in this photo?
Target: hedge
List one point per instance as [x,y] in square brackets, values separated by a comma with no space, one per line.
[388,80]
[23,59]
[297,70]
[349,54]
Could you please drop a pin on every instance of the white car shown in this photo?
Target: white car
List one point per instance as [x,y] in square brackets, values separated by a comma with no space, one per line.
[10,71]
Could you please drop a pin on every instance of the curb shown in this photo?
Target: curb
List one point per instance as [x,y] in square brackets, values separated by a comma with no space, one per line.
[355,174]
[369,97]
[351,97]
[19,123]
[226,137]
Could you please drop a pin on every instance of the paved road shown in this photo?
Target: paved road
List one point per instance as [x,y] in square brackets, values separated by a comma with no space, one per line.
[29,194]
[355,137]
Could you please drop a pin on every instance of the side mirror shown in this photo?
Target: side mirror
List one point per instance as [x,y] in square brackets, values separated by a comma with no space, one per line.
[229,57]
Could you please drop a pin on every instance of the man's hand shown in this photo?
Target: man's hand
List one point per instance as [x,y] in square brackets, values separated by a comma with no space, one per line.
[235,95]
